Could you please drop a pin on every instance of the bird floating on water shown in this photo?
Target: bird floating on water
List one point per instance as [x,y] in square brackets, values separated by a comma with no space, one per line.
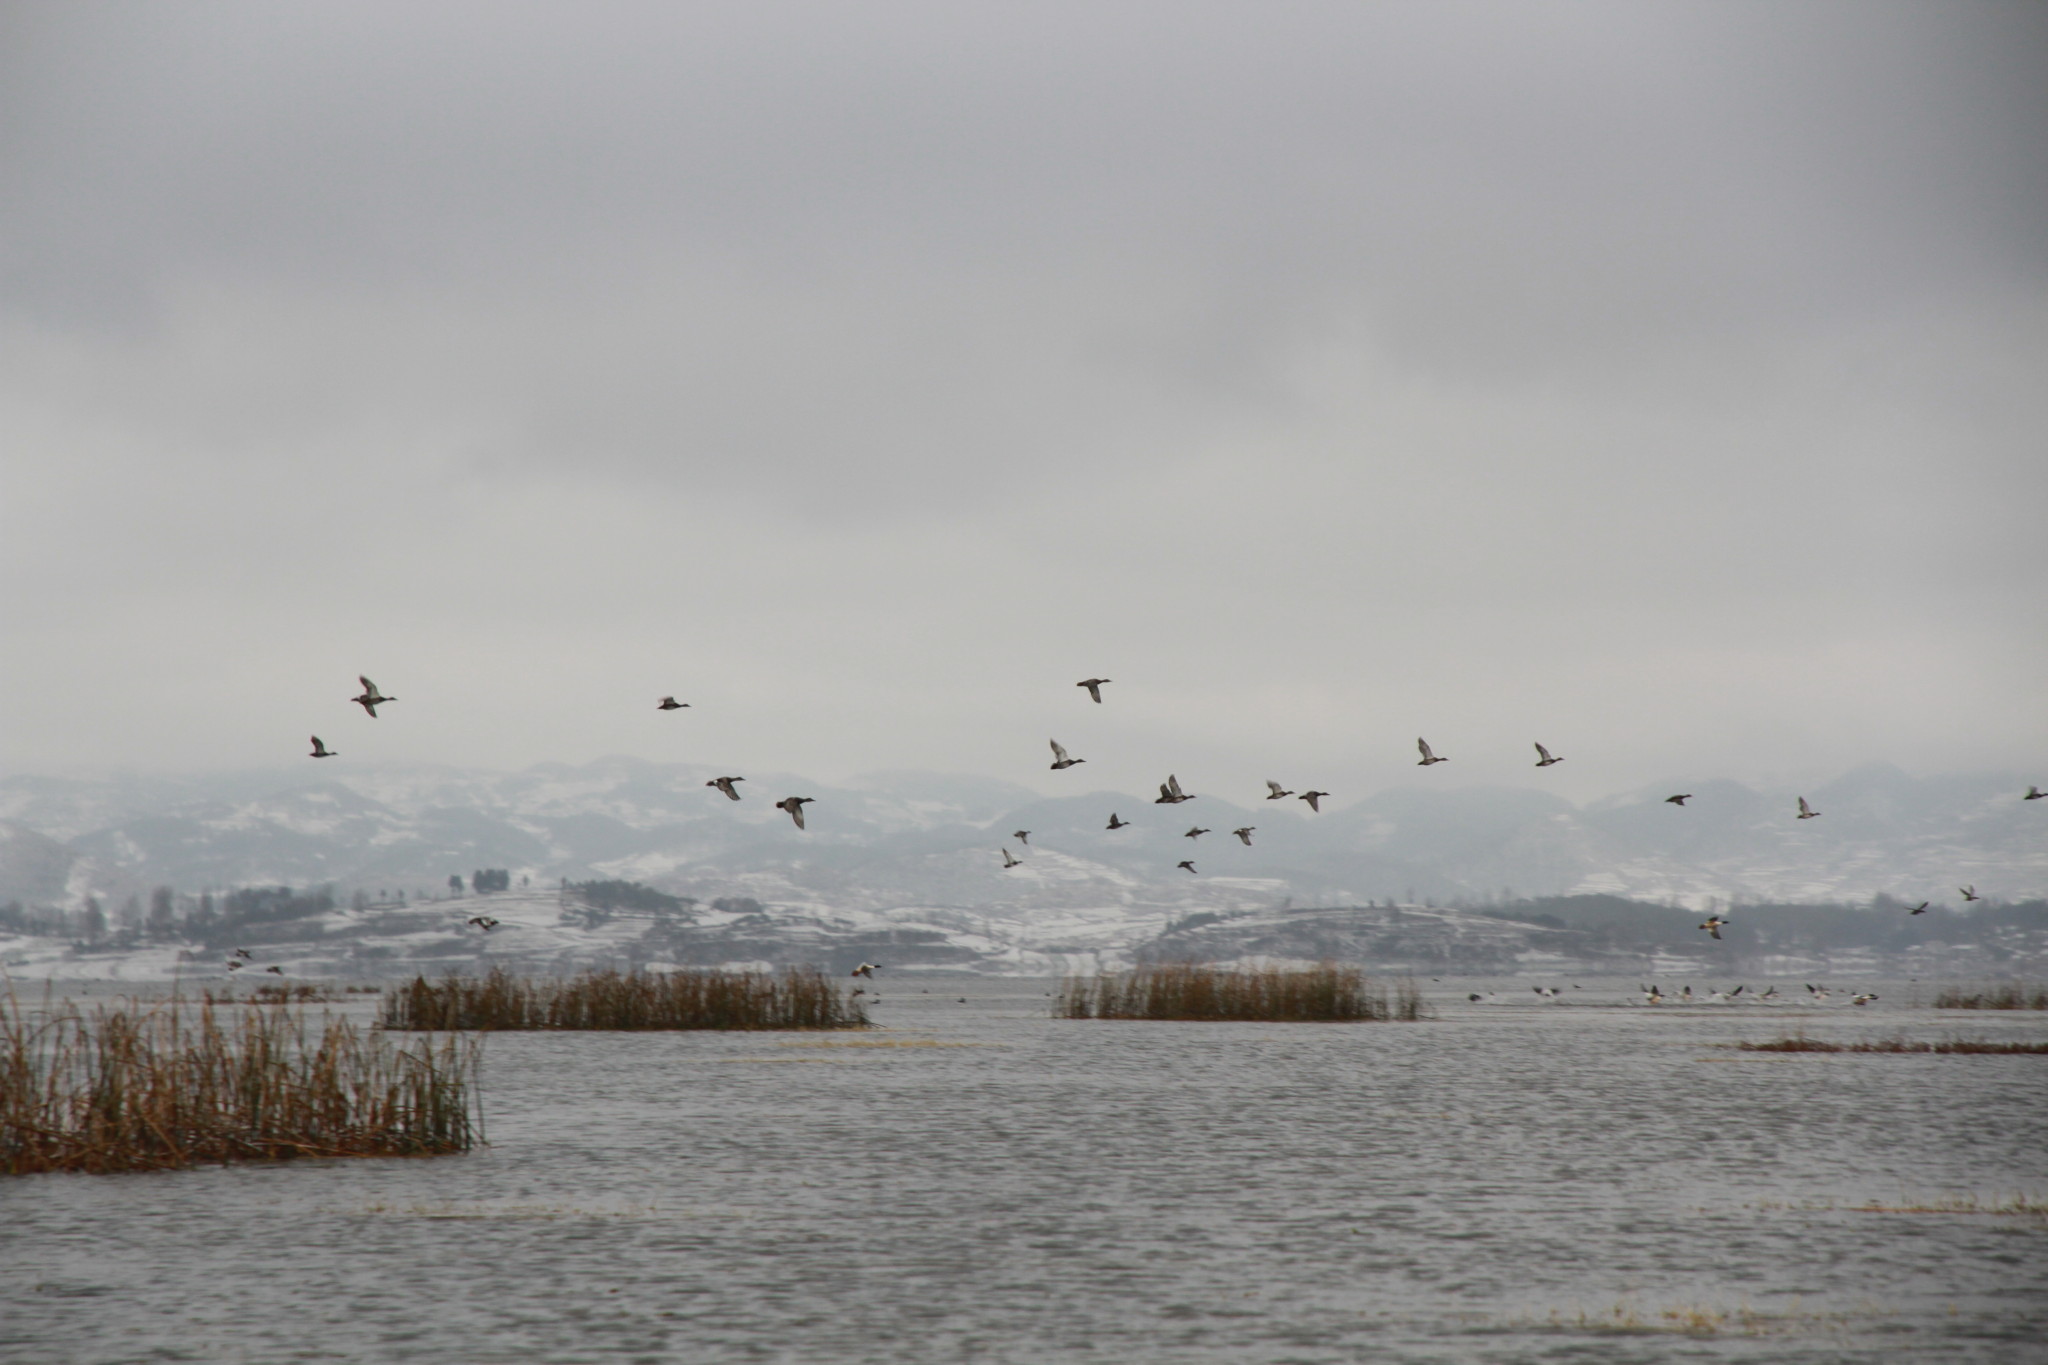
[321,750]
[274,970]
[1713,925]
[1806,812]
[235,964]
[1010,862]
[1116,822]
[371,698]
[1543,758]
[1274,791]
[795,806]
[1186,863]
[1863,998]
[1970,892]
[1428,757]
[724,784]
[1244,832]
[1314,799]
[670,704]
[1060,759]
[1678,800]
[1094,686]
[1170,793]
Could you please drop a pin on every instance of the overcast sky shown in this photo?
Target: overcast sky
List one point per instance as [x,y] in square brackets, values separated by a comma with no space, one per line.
[1667,383]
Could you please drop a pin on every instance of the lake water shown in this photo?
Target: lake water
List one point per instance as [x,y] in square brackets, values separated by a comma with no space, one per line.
[978,1182]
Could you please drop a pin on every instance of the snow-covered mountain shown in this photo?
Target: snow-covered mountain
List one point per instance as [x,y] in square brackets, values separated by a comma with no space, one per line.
[918,853]
[895,838]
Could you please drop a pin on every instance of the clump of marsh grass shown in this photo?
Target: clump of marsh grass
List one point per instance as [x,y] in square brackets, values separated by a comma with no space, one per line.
[1325,993]
[2008,995]
[129,1087]
[800,998]
[1799,1042]
[299,994]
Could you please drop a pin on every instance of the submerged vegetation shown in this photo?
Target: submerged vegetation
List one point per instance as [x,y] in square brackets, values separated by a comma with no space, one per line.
[2009,995]
[1799,1042]
[132,1087]
[1325,993]
[800,998]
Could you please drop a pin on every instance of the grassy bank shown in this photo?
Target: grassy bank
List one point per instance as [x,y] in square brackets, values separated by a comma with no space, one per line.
[1321,994]
[800,998]
[129,1087]
[1801,1043]
[2008,995]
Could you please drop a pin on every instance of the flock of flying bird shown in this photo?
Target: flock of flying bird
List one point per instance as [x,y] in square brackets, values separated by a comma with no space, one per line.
[1170,794]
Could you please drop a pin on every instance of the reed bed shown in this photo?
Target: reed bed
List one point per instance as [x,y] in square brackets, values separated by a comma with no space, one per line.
[131,1087]
[1323,994]
[2009,995]
[1802,1043]
[800,998]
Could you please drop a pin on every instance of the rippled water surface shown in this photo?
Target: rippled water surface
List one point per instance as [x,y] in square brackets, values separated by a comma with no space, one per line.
[978,1182]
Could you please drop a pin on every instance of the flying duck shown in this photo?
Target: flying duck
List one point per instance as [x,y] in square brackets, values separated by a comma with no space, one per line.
[1094,686]
[1194,832]
[1806,812]
[1116,823]
[1920,909]
[1713,925]
[371,698]
[670,704]
[321,750]
[1022,836]
[2033,794]
[1060,759]
[1244,832]
[276,970]
[1427,756]
[1970,892]
[483,922]
[1186,863]
[1678,800]
[724,784]
[1009,862]
[1314,800]
[1170,793]
[795,806]
[1543,758]
[1274,791]
[867,969]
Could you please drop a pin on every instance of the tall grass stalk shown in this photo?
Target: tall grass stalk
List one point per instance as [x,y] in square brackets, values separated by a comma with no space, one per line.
[800,998]
[1326,993]
[131,1087]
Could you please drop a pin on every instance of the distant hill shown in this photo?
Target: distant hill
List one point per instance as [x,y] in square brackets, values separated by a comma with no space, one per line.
[916,849]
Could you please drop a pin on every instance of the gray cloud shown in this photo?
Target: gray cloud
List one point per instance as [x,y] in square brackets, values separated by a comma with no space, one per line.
[1661,382]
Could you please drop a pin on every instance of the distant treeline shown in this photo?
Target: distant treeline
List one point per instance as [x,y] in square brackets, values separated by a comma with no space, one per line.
[1883,925]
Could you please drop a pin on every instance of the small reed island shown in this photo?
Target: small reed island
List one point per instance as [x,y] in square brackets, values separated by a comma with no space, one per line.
[1323,994]
[799,998]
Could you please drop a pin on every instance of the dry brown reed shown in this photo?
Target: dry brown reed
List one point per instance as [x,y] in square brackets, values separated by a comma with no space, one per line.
[1801,1043]
[133,1087]
[800,998]
[1325,993]
[2009,995]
